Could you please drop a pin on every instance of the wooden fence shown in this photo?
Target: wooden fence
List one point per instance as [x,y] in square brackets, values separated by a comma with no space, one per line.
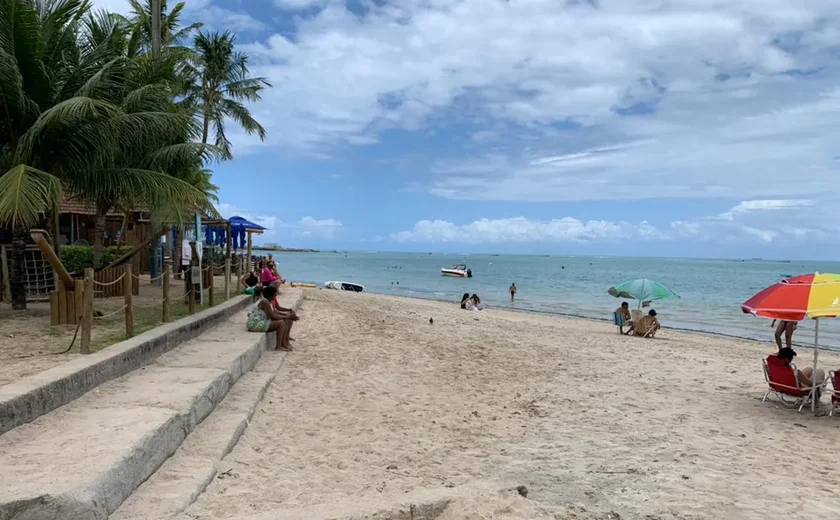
[106,286]
[124,281]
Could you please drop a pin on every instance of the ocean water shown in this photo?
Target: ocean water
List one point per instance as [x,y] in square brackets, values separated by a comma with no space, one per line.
[711,291]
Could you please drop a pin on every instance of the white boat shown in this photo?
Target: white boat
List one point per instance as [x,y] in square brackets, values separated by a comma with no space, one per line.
[457,271]
[344,286]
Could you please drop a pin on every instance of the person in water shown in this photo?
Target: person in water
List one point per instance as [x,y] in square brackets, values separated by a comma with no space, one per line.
[266,317]
[512,291]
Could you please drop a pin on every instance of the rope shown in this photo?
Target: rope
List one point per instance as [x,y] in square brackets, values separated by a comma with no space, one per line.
[137,277]
[206,268]
[153,304]
[112,314]
[105,284]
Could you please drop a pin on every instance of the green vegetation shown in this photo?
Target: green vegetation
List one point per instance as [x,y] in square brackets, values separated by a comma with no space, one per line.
[78,258]
[86,109]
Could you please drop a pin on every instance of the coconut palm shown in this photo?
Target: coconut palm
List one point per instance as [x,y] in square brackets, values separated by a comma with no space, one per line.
[37,42]
[113,141]
[221,87]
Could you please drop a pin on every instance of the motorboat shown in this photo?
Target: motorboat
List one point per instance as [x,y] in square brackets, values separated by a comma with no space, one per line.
[344,286]
[457,271]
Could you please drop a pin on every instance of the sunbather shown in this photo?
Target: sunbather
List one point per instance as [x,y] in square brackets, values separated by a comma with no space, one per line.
[647,326]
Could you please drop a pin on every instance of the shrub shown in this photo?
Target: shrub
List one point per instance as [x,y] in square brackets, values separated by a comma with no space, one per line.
[78,258]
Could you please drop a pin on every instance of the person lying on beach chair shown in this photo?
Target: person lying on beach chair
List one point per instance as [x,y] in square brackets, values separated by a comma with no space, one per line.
[647,326]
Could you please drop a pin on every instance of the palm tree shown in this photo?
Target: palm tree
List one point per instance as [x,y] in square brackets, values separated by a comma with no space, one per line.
[37,41]
[172,35]
[82,116]
[221,86]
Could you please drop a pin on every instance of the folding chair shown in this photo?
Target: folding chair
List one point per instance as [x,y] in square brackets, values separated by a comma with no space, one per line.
[783,382]
[618,321]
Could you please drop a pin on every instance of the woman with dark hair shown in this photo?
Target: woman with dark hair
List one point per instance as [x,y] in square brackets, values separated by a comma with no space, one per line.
[265,317]
[464,299]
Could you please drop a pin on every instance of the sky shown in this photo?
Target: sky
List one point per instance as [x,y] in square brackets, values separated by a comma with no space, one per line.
[700,128]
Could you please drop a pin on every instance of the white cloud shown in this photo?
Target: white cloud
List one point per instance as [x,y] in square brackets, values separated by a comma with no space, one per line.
[749,221]
[518,229]
[326,228]
[277,229]
[270,222]
[296,5]
[541,86]
[212,15]
[764,205]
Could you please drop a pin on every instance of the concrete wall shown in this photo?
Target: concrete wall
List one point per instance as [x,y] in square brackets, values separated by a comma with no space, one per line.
[33,396]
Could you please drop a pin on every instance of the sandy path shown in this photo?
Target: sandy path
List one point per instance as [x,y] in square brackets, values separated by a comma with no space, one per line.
[377,402]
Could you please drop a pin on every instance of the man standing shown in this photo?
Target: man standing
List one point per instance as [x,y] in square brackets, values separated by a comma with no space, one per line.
[512,291]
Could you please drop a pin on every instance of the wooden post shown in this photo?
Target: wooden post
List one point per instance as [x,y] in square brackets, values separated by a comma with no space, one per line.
[228,240]
[211,290]
[248,260]
[62,301]
[227,278]
[167,303]
[191,292]
[239,272]
[54,308]
[39,236]
[79,296]
[128,285]
[4,265]
[87,311]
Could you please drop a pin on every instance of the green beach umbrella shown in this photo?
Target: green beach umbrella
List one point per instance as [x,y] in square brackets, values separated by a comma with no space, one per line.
[642,289]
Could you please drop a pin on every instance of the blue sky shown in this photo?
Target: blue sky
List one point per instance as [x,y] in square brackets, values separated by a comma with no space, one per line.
[637,127]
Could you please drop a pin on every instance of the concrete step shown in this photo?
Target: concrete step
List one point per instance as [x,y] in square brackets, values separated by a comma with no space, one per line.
[82,460]
[185,475]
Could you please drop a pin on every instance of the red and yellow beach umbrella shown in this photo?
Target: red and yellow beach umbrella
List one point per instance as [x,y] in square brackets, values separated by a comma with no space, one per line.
[794,299]
[799,297]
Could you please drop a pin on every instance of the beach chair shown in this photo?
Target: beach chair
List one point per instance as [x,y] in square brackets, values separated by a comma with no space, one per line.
[835,391]
[783,382]
[618,321]
[639,330]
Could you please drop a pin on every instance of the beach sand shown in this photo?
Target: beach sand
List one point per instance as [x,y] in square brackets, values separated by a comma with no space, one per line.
[28,344]
[377,404]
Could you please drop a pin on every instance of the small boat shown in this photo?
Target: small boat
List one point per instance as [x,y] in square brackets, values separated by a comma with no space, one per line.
[300,284]
[457,271]
[344,286]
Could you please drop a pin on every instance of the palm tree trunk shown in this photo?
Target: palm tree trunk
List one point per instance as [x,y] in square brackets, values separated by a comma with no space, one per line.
[98,240]
[205,134]
[17,269]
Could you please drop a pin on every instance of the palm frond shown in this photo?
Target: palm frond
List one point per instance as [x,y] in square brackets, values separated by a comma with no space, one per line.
[239,113]
[25,192]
